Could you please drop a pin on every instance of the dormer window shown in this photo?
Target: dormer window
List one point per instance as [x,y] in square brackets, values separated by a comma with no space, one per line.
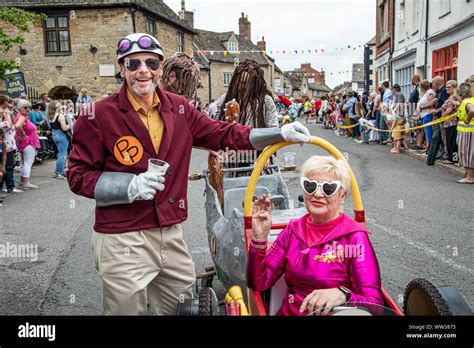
[233,46]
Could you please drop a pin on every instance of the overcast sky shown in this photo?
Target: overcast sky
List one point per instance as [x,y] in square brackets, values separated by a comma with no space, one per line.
[296,25]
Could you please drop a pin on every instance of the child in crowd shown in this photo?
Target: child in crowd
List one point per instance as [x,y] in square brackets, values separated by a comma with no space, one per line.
[398,134]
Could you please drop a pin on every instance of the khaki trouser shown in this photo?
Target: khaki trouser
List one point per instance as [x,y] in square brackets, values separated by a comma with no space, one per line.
[140,267]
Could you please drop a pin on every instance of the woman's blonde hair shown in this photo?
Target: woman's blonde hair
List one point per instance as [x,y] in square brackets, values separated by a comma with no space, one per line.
[327,164]
[53,108]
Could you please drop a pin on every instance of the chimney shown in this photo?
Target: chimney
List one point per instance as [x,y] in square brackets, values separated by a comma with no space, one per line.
[306,67]
[262,45]
[186,16]
[244,27]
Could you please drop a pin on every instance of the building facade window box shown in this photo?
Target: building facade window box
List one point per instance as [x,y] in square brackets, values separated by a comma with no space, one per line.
[180,41]
[444,62]
[233,46]
[403,78]
[150,26]
[445,8]
[56,35]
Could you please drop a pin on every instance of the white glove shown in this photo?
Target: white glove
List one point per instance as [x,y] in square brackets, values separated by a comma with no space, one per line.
[144,186]
[295,132]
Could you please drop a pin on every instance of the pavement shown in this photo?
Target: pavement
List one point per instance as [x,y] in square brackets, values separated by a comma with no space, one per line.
[420,219]
[449,167]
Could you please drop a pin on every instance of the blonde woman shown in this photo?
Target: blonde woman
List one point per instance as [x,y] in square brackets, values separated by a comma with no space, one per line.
[59,127]
[310,250]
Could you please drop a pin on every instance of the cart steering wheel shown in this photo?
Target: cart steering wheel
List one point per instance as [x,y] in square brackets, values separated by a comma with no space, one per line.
[267,153]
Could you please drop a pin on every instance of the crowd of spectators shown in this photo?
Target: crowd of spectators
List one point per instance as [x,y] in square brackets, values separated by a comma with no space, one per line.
[31,132]
[386,117]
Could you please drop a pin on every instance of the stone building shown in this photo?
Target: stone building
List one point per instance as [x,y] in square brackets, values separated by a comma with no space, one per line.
[292,86]
[75,46]
[358,83]
[307,82]
[383,40]
[369,69]
[219,54]
[279,81]
[432,38]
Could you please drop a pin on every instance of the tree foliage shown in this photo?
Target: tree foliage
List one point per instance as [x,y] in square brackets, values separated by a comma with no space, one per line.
[21,20]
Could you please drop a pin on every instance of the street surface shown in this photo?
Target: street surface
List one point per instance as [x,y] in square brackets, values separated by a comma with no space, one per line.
[421,220]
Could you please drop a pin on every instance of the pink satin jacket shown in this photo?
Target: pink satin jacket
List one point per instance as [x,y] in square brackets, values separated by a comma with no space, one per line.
[343,257]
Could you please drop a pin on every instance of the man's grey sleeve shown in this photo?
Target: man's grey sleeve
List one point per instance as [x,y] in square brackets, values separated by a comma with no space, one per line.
[260,138]
[112,189]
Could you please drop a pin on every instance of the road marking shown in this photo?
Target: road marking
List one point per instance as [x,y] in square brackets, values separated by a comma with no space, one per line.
[421,246]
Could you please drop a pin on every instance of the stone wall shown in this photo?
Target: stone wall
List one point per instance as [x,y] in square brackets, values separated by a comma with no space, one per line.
[166,35]
[203,93]
[101,28]
[217,78]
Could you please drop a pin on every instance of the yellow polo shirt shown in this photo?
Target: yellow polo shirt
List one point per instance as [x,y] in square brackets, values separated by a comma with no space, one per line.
[152,120]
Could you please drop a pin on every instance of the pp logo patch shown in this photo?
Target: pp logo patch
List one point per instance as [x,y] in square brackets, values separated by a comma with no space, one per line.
[128,150]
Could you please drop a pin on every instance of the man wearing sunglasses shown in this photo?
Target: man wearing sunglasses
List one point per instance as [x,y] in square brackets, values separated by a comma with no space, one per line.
[137,241]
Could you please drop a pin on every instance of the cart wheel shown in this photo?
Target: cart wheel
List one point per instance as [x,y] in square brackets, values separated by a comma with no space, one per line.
[423,298]
[206,281]
[208,303]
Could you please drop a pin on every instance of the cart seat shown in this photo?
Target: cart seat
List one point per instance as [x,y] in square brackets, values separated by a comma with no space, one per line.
[273,182]
[277,294]
[234,197]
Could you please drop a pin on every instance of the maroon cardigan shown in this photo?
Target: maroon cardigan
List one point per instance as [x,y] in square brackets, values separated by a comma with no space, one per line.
[114,117]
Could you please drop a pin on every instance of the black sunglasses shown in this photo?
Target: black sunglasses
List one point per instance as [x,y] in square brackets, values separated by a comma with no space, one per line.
[329,188]
[133,64]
